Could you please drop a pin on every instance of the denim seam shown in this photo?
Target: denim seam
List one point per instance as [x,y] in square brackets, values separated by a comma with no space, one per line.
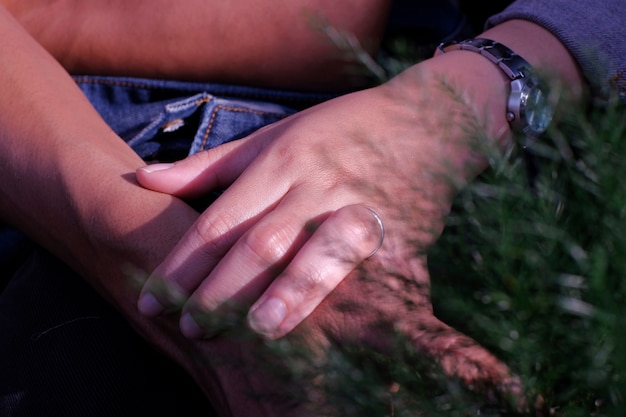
[178,106]
[232,109]
[85,80]
[279,97]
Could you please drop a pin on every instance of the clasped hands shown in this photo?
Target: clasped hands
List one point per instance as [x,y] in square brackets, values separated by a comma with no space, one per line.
[326,216]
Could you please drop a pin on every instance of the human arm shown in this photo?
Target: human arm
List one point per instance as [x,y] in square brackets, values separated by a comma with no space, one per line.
[67,178]
[216,41]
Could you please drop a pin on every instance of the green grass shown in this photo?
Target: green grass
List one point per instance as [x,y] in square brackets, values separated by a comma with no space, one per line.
[543,272]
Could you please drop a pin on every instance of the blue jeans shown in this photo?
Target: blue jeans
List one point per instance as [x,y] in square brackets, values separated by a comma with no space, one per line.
[167,119]
[63,350]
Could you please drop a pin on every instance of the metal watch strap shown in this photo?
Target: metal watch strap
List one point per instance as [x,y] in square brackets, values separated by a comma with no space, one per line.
[513,65]
[520,73]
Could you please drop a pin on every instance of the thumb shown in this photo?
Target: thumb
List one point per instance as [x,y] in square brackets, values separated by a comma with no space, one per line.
[200,173]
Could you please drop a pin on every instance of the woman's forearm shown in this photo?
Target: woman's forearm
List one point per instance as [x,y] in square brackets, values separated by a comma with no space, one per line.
[204,39]
[67,180]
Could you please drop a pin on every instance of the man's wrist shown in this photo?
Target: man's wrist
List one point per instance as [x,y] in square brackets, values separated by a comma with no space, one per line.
[462,97]
[529,108]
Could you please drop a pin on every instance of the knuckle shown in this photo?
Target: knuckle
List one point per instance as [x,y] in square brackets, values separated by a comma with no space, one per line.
[213,234]
[309,282]
[267,244]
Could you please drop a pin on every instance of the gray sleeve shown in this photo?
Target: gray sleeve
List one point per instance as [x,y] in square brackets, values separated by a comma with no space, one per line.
[594,31]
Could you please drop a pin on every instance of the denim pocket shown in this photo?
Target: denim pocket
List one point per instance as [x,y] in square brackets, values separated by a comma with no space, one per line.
[168,120]
[202,122]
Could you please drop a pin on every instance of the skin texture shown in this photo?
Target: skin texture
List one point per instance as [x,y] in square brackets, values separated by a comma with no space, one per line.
[326,165]
[205,40]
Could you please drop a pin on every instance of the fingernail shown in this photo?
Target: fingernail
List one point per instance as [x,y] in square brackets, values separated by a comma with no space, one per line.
[268,316]
[190,327]
[156,167]
[149,306]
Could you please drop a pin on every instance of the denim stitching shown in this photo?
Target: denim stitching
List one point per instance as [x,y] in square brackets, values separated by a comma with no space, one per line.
[278,96]
[148,132]
[86,80]
[233,109]
[184,104]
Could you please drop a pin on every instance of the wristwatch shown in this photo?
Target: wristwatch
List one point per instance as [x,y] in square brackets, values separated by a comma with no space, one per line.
[528,109]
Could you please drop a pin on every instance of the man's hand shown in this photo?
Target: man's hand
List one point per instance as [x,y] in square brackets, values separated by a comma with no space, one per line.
[296,216]
[308,199]
[378,308]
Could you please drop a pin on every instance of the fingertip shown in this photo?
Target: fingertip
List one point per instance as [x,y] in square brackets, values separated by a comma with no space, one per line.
[146,178]
[149,306]
[266,318]
[190,328]
[149,169]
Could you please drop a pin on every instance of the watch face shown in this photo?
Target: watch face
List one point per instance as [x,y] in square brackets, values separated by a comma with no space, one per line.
[529,109]
[537,110]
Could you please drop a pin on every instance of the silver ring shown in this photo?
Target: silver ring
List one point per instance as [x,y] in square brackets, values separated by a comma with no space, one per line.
[382,232]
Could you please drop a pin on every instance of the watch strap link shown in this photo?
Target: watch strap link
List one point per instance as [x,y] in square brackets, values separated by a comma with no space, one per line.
[513,65]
